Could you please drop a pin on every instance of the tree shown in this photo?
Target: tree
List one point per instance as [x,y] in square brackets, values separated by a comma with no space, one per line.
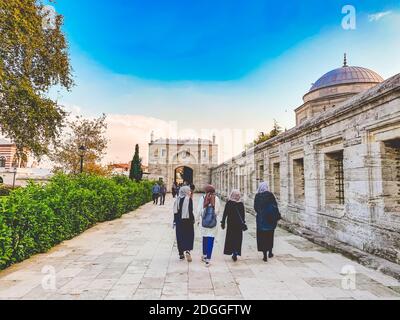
[97,169]
[136,172]
[276,130]
[82,132]
[33,58]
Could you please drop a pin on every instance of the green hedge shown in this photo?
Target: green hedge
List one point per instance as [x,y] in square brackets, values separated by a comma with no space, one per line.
[5,190]
[35,218]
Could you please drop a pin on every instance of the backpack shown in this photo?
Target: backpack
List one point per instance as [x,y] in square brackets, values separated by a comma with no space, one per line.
[268,219]
[269,214]
[209,219]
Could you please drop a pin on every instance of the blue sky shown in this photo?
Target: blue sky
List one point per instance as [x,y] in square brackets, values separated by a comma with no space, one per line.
[244,63]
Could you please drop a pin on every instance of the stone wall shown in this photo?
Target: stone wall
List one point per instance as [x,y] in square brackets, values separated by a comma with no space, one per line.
[167,155]
[336,174]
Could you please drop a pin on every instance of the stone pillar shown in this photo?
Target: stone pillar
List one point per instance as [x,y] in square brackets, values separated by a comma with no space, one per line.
[311,189]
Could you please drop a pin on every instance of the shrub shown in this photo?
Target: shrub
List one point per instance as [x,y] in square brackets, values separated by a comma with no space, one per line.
[5,190]
[35,218]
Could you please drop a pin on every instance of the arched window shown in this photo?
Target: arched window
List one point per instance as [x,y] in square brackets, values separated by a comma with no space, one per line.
[2,162]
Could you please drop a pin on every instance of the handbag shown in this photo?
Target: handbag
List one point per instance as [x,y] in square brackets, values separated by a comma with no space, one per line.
[244,226]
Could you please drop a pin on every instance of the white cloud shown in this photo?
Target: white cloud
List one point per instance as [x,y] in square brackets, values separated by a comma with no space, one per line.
[378,15]
[125,131]
[73,110]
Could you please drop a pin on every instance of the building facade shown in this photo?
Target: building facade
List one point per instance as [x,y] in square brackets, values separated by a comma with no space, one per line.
[179,160]
[337,172]
[15,171]
[8,155]
[9,163]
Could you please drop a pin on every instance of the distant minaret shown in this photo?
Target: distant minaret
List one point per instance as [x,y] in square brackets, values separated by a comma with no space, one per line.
[213,138]
[152,136]
[345,61]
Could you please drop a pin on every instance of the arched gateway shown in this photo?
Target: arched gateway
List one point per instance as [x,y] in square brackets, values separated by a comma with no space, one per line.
[183,174]
[179,160]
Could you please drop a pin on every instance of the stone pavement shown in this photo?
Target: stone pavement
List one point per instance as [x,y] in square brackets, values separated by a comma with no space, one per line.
[135,257]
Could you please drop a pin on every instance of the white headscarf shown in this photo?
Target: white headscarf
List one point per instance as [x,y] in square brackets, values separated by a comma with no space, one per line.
[235,196]
[263,187]
[184,192]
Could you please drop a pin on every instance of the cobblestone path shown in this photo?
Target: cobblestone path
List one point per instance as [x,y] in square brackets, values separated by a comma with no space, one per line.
[135,257]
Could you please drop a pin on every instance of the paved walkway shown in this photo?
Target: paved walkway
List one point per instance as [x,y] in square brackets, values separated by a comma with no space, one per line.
[135,257]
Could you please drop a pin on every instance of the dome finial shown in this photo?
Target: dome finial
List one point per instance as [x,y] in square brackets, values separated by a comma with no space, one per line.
[345,60]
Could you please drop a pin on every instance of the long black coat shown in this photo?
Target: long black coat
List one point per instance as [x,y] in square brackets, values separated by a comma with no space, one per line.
[184,228]
[267,218]
[234,232]
[266,207]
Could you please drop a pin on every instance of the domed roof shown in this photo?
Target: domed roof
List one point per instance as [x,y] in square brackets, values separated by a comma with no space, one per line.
[345,75]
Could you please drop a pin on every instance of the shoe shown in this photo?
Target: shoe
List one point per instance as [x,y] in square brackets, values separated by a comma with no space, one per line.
[188,256]
[181,257]
[204,258]
[265,259]
[234,258]
[270,255]
[207,263]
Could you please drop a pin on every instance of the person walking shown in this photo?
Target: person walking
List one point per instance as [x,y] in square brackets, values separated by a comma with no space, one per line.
[156,192]
[208,211]
[184,223]
[234,217]
[174,190]
[267,219]
[163,193]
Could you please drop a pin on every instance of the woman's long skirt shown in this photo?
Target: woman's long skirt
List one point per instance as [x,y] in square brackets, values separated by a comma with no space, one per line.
[233,241]
[265,240]
[184,235]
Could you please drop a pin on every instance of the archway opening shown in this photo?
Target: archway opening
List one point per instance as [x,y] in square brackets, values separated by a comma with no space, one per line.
[183,174]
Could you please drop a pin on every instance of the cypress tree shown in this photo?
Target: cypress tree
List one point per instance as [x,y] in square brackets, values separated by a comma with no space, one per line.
[136,172]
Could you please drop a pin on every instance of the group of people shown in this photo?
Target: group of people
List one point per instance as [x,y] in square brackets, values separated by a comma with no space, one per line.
[176,186]
[159,191]
[233,219]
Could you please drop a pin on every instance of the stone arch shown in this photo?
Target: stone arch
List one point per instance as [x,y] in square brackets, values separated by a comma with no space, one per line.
[183,173]
[184,157]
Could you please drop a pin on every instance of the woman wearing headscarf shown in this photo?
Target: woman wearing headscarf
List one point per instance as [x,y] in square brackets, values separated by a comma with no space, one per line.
[184,223]
[208,203]
[234,216]
[267,219]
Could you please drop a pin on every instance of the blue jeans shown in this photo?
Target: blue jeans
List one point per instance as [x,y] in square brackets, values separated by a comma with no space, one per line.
[208,244]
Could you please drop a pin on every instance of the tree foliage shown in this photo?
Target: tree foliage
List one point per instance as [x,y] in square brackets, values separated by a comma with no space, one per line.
[82,132]
[33,58]
[136,172]
[276,130]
